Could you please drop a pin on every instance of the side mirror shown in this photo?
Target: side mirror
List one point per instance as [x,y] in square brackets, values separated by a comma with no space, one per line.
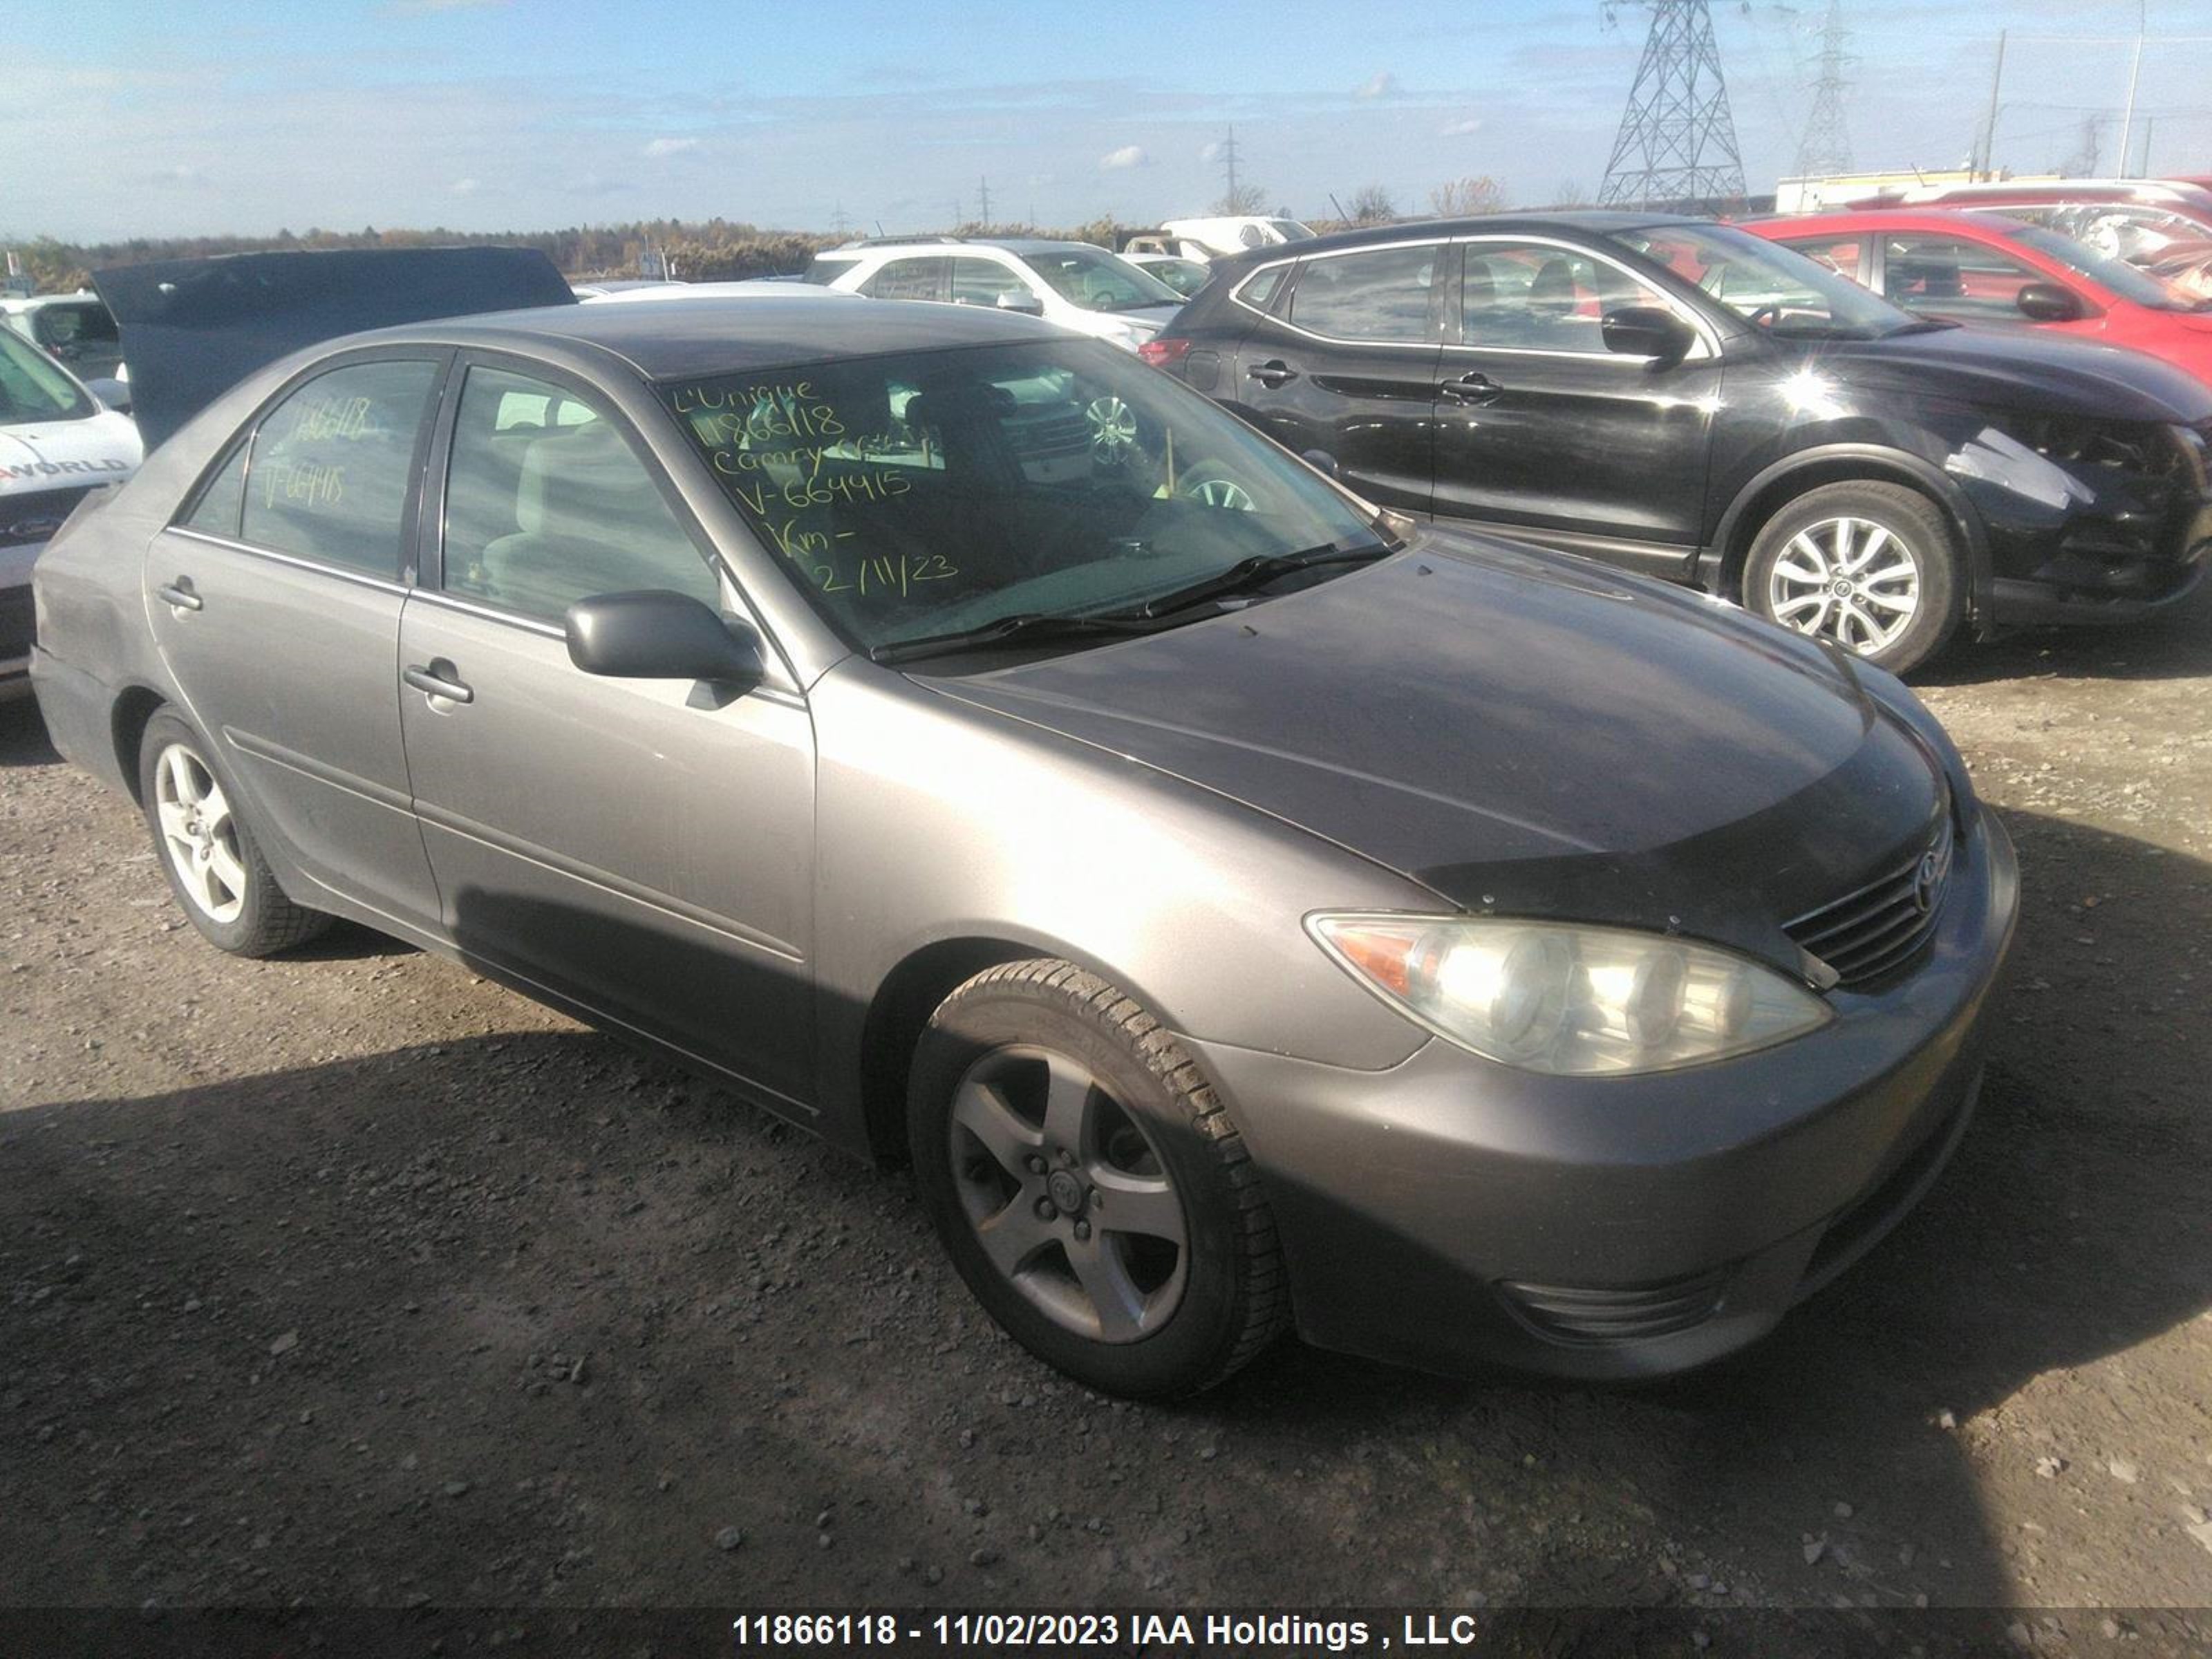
[112,394]
[2047,302]
[1322,462]
[1647,331]
[660,636]
[1022,300]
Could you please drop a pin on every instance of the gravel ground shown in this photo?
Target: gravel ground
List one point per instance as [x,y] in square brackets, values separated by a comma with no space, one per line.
[352,1279]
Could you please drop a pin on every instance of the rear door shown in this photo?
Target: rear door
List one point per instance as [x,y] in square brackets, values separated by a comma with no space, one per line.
[1540,425]
[276,599]
[643,847]
[1346,364]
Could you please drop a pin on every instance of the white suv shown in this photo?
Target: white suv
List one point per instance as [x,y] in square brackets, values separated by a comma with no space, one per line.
[1077,285]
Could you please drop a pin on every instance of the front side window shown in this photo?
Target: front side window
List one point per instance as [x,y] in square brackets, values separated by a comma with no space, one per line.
[928,493]
[1840,253]
[1769,286]
[1098,281]
[1382,296]
[546,504]
[33,389]
[2130,282]
[1534,296]
[1951,276]
[329,475]
[907,279]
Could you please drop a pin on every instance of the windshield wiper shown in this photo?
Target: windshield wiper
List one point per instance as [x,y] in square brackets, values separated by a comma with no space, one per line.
[1021,625]
[1247,575]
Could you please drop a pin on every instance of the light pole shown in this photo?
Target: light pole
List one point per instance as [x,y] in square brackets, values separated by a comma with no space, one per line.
[2128,121]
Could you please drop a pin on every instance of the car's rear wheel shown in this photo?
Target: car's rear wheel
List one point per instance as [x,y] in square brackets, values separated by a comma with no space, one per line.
[213,865]
[1089,1185]
[1871,567]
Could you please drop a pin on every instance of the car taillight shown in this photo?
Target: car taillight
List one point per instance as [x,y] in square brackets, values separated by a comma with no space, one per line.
[1164,351]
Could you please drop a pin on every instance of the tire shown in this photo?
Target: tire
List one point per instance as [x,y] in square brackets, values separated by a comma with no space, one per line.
[1837,562]
[1052,1063]
[215,867]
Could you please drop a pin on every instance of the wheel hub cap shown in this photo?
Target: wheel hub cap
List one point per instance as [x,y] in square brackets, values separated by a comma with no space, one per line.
[1066,1192]
[1848,580]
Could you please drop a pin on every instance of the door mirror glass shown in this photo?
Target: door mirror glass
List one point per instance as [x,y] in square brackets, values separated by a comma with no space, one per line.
[2047,302]
[659,635]
[1022,300]
[1646,332]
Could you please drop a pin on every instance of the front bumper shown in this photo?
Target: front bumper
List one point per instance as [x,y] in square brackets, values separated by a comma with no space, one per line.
[1452,1213]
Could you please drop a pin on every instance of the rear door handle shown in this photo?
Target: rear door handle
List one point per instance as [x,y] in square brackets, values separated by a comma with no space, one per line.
[1471,388]
[438,679]
[178,593]
[1271,374]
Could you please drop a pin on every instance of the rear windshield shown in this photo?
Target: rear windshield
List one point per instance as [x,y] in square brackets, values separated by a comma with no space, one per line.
[825,270]
[32,388]
[1098,281]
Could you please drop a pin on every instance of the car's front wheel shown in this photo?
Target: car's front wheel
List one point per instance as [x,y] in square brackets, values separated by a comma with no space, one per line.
[214,867]
[1089,1185]
[1872,567]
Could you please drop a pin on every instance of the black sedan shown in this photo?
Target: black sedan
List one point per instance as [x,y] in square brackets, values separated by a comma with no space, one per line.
[1689,401]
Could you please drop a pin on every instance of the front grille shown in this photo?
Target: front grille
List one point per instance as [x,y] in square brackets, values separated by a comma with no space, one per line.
[1576,1313]
[35,515]
[1878,928]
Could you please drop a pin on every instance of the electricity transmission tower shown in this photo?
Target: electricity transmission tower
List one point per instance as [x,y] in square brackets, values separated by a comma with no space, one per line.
[1827,147]
[983,210]
[1677,139]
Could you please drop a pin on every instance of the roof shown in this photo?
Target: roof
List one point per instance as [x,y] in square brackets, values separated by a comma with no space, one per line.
[663,339]
[939,243]
[1992,225]
[1594,223]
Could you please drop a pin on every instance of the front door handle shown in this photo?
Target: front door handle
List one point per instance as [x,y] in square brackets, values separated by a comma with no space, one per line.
[439,679]
[1471,388]
[1272,374]
[178,593]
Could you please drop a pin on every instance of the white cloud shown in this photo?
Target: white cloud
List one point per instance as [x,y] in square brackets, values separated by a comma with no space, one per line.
[1213,152]
[1463,129]
[1129,155]
[465,186]
[1381,84]
[661,147]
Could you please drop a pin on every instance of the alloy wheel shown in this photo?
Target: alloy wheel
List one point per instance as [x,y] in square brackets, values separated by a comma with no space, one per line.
[1113,428]
[1223,492]
[1849,580]
[1070,1200]
[199,834]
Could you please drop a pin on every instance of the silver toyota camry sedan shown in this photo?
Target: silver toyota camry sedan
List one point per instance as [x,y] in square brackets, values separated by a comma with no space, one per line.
[1247,909]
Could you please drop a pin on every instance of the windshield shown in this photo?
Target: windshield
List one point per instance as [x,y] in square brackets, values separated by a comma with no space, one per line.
[33,388]
[1778,290]
[939,491]
[1099,281]
[2123,279]
[1185,276]
[1290,230]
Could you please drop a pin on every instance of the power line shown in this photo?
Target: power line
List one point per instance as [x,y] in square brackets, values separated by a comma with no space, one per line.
[1826,146]
[1677,138]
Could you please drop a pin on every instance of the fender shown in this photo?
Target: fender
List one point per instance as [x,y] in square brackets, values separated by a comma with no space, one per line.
[1866,460]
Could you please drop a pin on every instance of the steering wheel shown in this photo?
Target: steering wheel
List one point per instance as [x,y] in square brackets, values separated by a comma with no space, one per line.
[1767,315]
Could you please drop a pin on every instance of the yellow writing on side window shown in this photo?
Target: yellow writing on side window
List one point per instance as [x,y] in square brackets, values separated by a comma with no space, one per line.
[334,417]
[300,484]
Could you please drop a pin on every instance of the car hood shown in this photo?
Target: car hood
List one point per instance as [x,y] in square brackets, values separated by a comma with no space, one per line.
[1521,733]
[40,455]
[2021,371]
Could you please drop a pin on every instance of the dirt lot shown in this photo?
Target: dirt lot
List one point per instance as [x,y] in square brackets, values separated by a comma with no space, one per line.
[352,1279]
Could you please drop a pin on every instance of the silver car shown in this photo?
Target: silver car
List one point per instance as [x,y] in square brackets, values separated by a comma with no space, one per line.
[1244,908]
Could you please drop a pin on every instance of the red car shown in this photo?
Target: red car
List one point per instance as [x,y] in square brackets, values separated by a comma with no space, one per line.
[1977,268]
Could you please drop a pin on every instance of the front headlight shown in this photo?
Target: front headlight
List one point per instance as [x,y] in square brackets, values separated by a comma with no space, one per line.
[1571,1001]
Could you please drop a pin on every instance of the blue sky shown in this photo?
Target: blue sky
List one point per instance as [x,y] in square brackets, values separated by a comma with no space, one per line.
[132,117]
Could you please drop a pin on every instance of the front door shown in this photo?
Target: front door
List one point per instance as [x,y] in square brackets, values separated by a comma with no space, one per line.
[643,847]
[1539,424]
[275,602]
[1348,367]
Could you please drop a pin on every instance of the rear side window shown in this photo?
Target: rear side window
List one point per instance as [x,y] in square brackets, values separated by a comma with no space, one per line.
[1260,289]
[217,510]
[907,279]
[546,504]
[825,270]
[1382,295]
[1840,254]
[332,463]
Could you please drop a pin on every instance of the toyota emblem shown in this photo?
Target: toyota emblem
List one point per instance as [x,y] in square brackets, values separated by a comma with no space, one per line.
[1923,884]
